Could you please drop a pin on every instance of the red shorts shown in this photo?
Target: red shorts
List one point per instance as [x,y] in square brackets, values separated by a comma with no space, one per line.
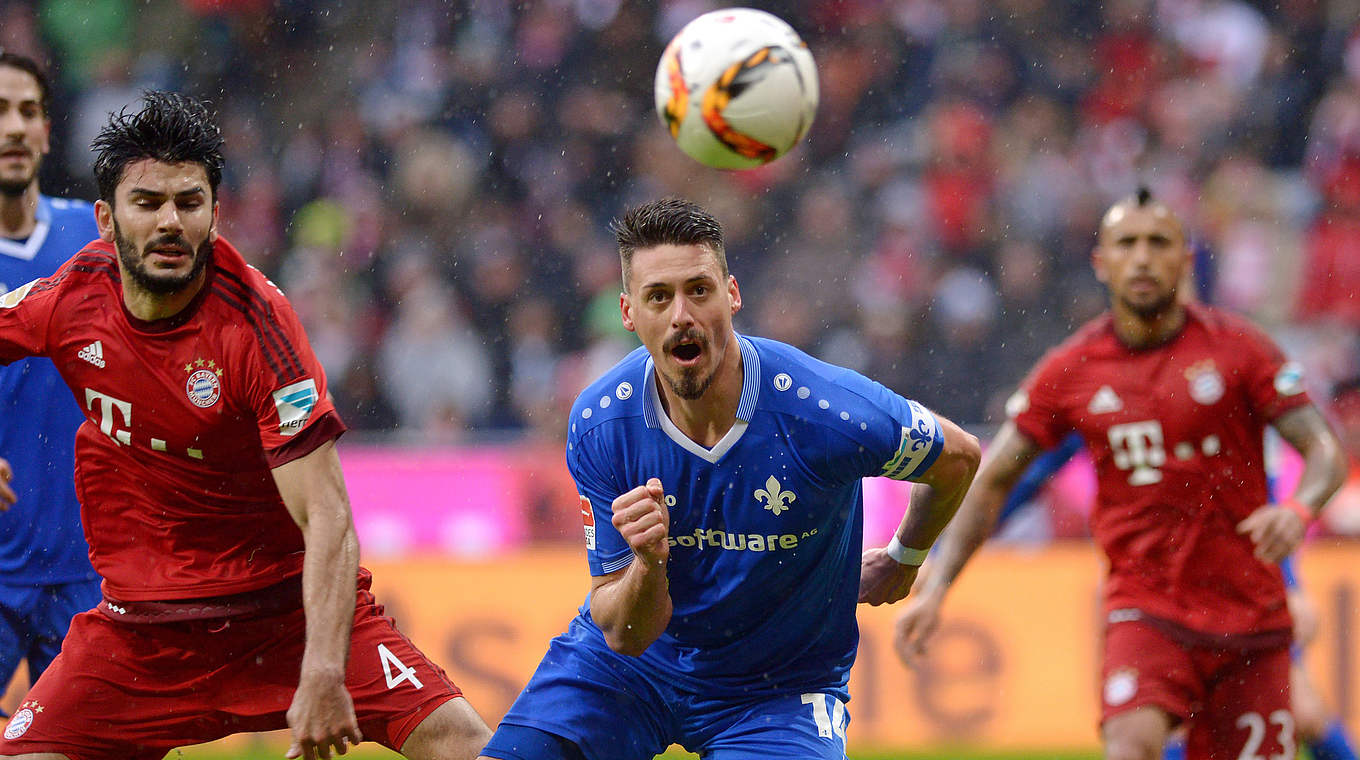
[120,690]
[1234,701]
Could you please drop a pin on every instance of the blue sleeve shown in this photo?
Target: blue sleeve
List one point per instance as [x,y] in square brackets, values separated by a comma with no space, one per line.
[1038,473]
[895,437]
[606,551]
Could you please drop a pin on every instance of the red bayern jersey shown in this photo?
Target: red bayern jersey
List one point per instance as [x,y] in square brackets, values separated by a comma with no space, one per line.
[185,417]
[1176,432]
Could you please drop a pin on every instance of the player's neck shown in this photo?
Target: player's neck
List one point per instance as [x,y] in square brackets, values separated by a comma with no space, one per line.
[1137,331]
[19,213]
[149,307]
[705,420]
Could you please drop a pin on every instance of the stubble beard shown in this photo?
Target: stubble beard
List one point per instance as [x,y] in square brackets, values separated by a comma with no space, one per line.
[14,188]
[690,385]
[134,263]
[691,382]
[1160,306]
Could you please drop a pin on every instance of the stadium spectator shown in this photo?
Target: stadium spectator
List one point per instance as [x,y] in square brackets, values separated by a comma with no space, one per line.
[726,566]
[44,561]
[1172,399]
[211,491]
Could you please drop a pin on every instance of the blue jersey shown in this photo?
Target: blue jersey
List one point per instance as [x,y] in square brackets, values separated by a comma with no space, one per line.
[40,536]
[765,527]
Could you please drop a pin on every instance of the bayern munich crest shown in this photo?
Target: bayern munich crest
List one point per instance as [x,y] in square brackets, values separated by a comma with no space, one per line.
[18,725]
[203,388]
[1206,384]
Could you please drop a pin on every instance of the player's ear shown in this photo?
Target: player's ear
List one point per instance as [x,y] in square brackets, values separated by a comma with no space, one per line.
[626,312]
[734,293]
[103,218]
[1098,265]
[212,231]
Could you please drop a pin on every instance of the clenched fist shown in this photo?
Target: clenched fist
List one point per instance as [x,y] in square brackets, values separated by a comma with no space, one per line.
[640,516]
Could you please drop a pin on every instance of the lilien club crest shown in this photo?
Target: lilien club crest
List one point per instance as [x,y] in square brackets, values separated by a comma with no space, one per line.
[203,387]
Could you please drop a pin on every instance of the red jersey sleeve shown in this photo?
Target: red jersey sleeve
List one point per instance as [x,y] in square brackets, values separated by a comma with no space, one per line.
[25,316]
[1036,408]
[287,387]
[1273,383]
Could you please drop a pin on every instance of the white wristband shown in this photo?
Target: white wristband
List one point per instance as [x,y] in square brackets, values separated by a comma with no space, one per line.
[903,555]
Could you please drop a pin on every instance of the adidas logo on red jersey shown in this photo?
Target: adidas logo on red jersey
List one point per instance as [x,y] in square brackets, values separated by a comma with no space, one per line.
[94,354]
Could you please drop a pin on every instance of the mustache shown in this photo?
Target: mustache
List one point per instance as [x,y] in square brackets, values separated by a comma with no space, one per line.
[688,335]
[168,241]
[7,147]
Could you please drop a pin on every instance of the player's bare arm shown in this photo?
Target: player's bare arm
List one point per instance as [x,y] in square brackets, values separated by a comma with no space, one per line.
[1277,529]
[1006,459]
[934,500]
[7,496]
[633,606]
[321,715]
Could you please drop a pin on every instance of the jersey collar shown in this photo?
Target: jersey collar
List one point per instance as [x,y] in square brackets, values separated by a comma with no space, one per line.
[30,247]
[655,417]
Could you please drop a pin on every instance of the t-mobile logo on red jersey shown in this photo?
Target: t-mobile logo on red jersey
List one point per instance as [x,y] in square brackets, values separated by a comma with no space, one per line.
[113,414]
[1138,446]
[107,419]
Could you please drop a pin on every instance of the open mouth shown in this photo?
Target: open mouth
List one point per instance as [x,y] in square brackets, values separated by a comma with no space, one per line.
[687,352]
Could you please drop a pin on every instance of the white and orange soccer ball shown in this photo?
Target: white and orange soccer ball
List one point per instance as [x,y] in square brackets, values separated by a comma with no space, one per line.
[737,88]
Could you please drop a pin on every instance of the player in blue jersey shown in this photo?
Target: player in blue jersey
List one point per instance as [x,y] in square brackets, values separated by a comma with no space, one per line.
[45,572]
[719,479]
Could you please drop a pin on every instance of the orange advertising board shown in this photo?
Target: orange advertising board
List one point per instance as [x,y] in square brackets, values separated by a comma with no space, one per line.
[1013,666]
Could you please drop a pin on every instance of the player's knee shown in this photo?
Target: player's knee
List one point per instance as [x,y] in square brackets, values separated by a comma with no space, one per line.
[453,732]
[1131,747]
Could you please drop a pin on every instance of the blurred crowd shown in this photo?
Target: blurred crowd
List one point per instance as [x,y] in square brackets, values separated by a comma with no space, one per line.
[431,181]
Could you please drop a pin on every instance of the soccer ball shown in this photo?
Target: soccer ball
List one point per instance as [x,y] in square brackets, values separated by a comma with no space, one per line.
[737,88]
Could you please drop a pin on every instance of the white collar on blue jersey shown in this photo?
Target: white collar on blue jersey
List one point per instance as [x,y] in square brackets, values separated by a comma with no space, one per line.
[29,248]
[655,416]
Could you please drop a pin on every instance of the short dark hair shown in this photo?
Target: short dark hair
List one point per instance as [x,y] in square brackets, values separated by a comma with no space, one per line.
[30,67]
[669,221]
[171,128]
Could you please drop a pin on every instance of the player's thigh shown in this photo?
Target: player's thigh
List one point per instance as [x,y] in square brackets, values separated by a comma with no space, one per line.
[95,699]
[1143,667]
[396,688]
[803,726]
[453,730]
[1137,734]
[1246,715]
[601,702]
[52,617]
[1310,711]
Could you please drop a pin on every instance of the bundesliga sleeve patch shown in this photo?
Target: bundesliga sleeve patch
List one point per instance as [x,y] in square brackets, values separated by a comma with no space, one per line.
[295,403]
[588,516]
[12,298]
[1289,380]
[918,445]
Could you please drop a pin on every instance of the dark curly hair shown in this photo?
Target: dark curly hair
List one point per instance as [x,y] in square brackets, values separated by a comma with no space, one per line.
[171,128]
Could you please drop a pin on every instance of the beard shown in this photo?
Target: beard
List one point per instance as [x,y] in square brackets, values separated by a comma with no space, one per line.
[134,262]
[691,383]
[13,188]
[1160,305]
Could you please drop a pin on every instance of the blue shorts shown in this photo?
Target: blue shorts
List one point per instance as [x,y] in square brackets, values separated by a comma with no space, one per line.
[611,708]
[34,619]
